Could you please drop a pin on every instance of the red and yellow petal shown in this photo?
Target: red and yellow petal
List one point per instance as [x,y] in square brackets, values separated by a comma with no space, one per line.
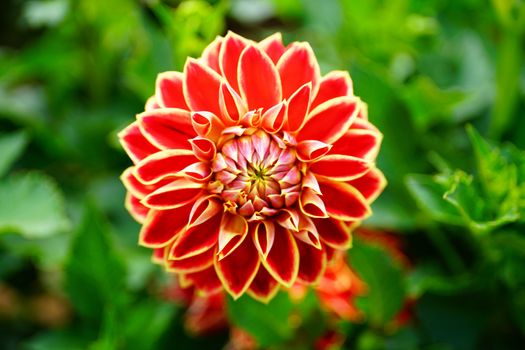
[263,287]
[210,55]
[334,84]
[168,90]
[259,82]
[163,226]
[343,202]
[137,210]
[174,195]
[206,281]
[359,143]
[273,46]
[298,107]
[167,128]
[238,269]
[370,185]
[298,66]
[163,164]
[282,261]
[334,233]
[193,263]
[135,144]
[312,262]
[340,167]
[231,49]
[201,86]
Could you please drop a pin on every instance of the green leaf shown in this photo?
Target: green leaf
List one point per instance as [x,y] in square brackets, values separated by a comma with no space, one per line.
[386,290]
[428,193]
[269,324]
[11,147]
[95,274]
[32,205]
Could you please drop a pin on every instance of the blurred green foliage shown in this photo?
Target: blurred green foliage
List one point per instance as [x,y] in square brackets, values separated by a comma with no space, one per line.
[73,73]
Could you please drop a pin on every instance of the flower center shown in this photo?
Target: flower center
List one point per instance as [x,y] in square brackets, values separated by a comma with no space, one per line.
[256,175]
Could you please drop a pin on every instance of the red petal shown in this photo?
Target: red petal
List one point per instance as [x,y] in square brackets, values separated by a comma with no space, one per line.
[238,269]
[162,226]
[159,255]
[201,87]
[137,210]
[174,195]
[329,121]
[203,148]
[273,119]
[311,150]
[232,105]
[163,164]
[207,125]
[196,239]
[312,262]
[234,229]
[298,66]
[370,185]
[210,55]
[263,235]
[334,233]
[264,286]
[192,264]
[283,260]
[273,46]
[297,108]
[334,84]
[231,50]
[168,90]
[340,167]
[311,204]
[259,81]
[167,128]
[358,143]
[343,201]
[205,281]
[135,144]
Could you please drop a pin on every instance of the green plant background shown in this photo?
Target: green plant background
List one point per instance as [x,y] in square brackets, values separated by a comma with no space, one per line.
[444,81]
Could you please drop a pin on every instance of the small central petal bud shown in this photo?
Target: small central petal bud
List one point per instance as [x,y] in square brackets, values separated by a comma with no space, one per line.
[259,174]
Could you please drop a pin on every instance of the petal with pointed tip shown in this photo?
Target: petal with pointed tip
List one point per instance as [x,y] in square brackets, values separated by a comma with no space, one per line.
[273,119]
[162,226]
[311,204]
[174,194]
[329,121]
[167,128]
[135,144]
[199,171]
[263,235]
[334,233]
[263,287]
[283,260]
[196,239]
[273,46]
[259,81]
[234,229]
[151,104]
[204,209]
[334,84]
[359,143]
[297,108]
[370,185]
[298,66]
[231,104]
[340,167]
[312,263]
[343,201]
[238,269]
[201,86]
[231,49]
[210,55]
[207,124]
[203,148]
[311,150]
[168,90]
[205,281]
[137,210]
[163,164]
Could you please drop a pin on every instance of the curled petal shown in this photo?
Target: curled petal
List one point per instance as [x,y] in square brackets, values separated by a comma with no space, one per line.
[193,263]
[207,124]
[309,181]
[137,210]
[298,66]
[263,237]
[163,226]
[343,201]
[297,108]
[283,260]
[196,239]
[234,229]
[307,232]
[289,218]
[273,119]
[163,164]
[238,269]
[273,46]
[167,128]
[370,185]
[204,209]
[340,167]
[201,87]
[359,143]
[231,49]
[135,144]
[210,55]
[232,105]
[203,148]
[264,286]
[205,281]
[311,204]
[313,263]
[330,120]
[334,84]
[334,233]
[174,194]
[311,150]
[168,90]
[259,81]
[199,172]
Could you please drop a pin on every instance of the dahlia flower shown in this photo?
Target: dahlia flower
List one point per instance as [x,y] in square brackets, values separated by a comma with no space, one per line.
[250,168]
